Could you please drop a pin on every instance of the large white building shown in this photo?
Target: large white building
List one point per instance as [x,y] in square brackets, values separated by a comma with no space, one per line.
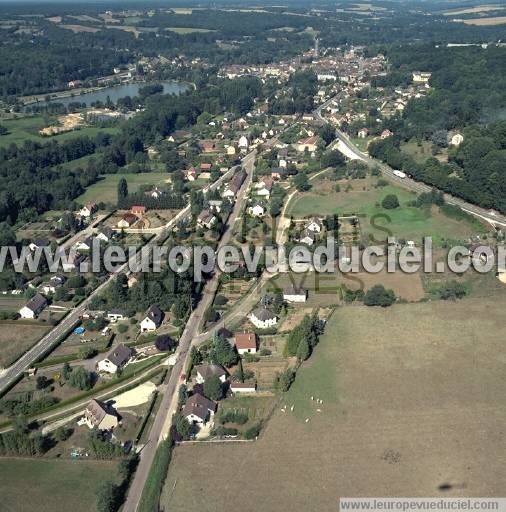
[263,318]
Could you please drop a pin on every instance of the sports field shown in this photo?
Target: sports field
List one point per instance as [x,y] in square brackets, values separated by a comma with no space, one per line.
[52,485]
[106,189]
[412,405]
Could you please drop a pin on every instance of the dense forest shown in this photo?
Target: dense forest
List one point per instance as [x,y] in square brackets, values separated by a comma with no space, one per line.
[467,96]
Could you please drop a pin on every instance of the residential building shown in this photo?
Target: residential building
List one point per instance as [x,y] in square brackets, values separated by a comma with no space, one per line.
[88,210]
[246,343]
[129,219]
[117,359]
[293,294]
[39,243]
[263,318]
[257,210]
[204,371]
[138,210]
[116,314]
[314,225]
[243,387]
[98,415]
[33,307]
[206,219]
[106,234]
[309,144]
[198,409]
[152,319]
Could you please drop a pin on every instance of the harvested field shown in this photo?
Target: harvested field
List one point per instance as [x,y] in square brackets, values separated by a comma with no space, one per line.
[16,338]
[58,484]
[482,22]
[412,400]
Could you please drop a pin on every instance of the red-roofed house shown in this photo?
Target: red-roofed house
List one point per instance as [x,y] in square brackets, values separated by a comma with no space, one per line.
[138,210]
[246,343]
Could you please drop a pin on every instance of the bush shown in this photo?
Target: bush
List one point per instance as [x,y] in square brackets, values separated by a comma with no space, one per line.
[231,416]
[252,432]
[122,328]
[220,300]
[224,431]
[390,202]
[452,290]
[337,188]
[379,296]
[165,343]
[265,352]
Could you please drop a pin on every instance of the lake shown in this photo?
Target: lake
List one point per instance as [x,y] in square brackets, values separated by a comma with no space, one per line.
[115,93]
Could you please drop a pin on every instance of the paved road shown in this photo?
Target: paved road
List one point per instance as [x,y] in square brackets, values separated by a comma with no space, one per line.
[9,375]
[488,215]
[168,405]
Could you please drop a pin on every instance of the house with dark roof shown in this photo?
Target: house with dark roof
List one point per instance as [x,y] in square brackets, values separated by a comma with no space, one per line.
[33,307]
[198,409]
[39,242]
[204,371]
[98,415]
[116,359]
[263,318]
[105,234]
[152,319]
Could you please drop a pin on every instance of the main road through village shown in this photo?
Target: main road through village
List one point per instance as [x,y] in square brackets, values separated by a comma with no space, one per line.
[170,391]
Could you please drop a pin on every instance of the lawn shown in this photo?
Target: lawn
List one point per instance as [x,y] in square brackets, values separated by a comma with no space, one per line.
[16,337]
[27,128]
[106,189]
[412,400]
[52,485]
[364,199]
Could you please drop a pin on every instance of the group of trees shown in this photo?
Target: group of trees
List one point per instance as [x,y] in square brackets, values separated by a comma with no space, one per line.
[303,338]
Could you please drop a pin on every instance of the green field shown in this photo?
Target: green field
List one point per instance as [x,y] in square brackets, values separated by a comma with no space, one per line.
[411,400]
[105,190]
[364,199]
[27,128]
[52,485]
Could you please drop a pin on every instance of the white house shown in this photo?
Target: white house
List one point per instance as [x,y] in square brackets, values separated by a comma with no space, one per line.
[117,358]
[84,245]
[243,387]
[315,225]
[256,210]
[198,409]
[41,242]
[206,219]
[263,318]
[116,314]
[88,210]
[33,307]
[243,142]
[105,234]
[152,319]
[292,294]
